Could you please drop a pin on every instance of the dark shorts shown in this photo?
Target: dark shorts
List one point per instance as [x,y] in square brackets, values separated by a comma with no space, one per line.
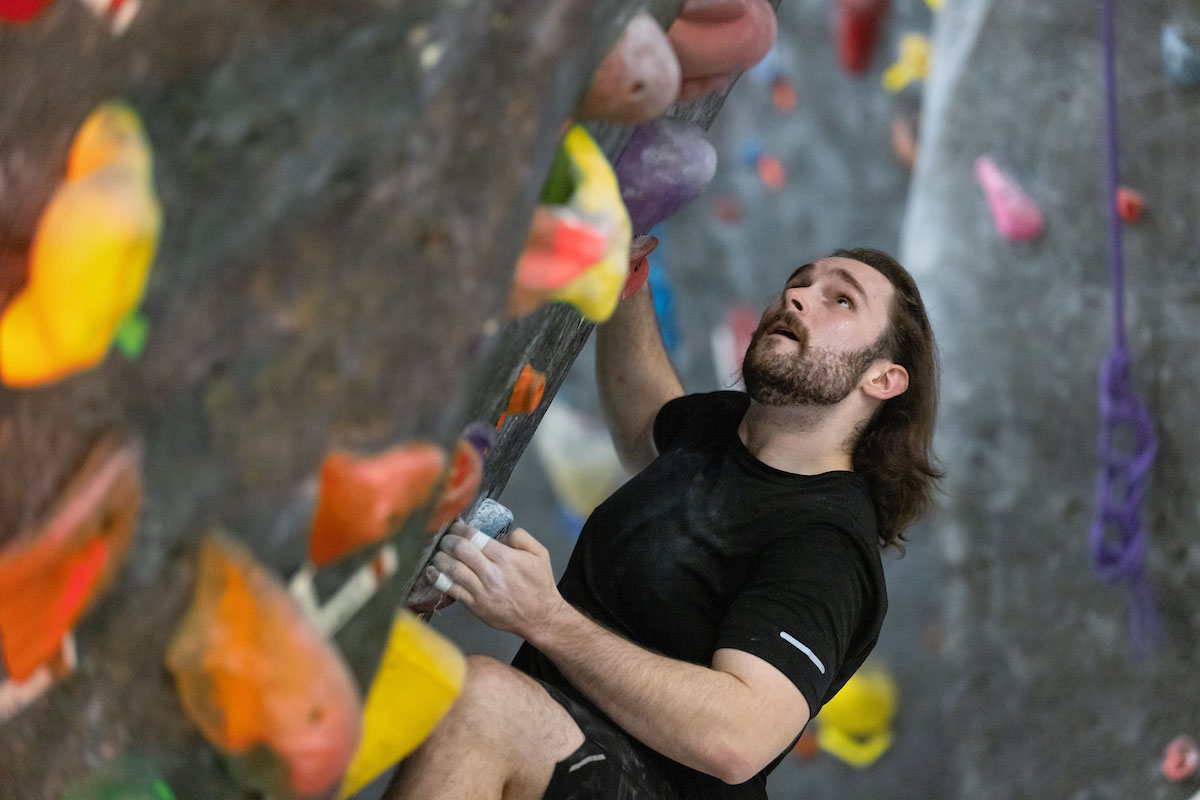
[607,766]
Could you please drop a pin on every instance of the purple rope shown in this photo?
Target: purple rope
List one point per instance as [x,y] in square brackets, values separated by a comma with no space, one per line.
[1125,466]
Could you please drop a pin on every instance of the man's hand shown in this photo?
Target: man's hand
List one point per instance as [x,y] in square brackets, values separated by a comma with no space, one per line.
[510,587]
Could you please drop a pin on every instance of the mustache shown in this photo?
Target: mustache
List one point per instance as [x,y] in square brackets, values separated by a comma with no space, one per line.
[788,318]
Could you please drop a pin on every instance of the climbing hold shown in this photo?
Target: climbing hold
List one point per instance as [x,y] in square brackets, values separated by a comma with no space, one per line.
[714,39]
[1130,204]
[1180,759]
[639,264]
[770,170]
[1181,55]
[856,25]
[118,14]
[855,725]
[730,340]
[904,137]
[666,164]
[727,209]
[481,436]
[21,10]
[596,199]
[52,576]
[783,95]
[560,248]
[526,393]
[807,747]
[461,485]
[259,679]
[638,79]
[90,258]
[935,5]
[127,778]
[578,457]
[363,500]
[912,64]
[419,677]
[1015,213]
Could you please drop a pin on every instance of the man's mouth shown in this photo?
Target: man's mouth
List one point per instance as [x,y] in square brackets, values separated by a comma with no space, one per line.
[782,329]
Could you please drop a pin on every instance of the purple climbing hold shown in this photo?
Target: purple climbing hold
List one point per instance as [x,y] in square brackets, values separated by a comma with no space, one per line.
[666,165]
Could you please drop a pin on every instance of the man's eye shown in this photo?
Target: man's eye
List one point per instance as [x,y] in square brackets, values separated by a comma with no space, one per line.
[845,302]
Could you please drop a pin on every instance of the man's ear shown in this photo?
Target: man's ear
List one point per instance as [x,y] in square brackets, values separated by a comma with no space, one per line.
[885,379]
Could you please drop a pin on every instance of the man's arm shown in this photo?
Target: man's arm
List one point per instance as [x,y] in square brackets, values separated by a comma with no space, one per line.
[635,378]
[728,720]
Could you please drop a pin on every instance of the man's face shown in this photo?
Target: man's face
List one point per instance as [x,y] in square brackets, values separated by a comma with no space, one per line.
[817,339]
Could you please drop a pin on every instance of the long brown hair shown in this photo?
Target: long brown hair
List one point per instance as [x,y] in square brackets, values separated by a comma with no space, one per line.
[895,450]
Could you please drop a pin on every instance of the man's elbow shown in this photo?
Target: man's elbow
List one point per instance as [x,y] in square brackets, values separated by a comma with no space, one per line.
[731,763]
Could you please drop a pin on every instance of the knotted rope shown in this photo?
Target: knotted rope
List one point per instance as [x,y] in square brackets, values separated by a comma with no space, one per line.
[1127,441]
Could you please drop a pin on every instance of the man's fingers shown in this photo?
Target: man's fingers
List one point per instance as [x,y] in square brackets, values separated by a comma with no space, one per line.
[522,539]
[474,548]
[458,572]
[455,590]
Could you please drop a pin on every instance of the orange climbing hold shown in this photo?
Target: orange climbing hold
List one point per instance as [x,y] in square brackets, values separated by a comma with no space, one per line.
[363,500]
[461,485]
[50,578]
[259,679]
[526,393]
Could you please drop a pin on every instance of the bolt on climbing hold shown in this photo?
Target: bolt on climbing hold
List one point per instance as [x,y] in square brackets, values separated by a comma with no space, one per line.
[912,63]
[1014,213]
[638,79]
[666,164]
[856,26]
[715,39]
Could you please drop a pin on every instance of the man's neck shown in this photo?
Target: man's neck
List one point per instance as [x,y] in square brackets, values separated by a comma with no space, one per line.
[805,440]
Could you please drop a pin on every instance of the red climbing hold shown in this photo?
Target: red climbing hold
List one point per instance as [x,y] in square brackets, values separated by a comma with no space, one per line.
[770,170]
[1181,759]
[716,38]
[461,485]
[51,578]
[560,248]
[1130,204]
[639,264]
[21,10]
[856,26]
[526,393]
[363,500]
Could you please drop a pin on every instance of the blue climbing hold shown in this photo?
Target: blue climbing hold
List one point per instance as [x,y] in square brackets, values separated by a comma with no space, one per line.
[1181,56]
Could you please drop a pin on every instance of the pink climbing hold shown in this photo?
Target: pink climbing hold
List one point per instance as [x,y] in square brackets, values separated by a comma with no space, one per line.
[1130,204]
[638,79]
[639,264]
[716,38]
[1181,759]
[1015,213]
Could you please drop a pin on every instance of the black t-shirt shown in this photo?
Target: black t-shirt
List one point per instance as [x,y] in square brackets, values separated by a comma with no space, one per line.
[709,548]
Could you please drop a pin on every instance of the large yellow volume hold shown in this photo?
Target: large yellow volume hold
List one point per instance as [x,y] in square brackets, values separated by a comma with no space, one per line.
[419,677]
[90,258]
[598,200]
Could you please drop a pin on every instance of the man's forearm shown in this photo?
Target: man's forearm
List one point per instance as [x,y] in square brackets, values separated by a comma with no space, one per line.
[634,375]
[687,712]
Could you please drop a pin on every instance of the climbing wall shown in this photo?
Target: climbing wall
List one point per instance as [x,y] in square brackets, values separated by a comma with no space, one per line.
[344,194]
[1044,693]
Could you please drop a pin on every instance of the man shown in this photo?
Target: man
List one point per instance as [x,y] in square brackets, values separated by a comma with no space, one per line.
[729,589]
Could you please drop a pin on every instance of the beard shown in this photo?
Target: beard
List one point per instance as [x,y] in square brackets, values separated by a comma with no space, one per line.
[808,376]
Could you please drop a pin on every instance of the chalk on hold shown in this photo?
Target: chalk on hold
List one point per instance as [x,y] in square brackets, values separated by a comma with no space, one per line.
[1015,213]
[127,778]
[1180,759]
[20,11]
[1130,204]
[526,393]
[52,575]
[1181,55]
[638,79]
[419,677]
[490,518]
[714,39]
[855,726]
[666,164]
[856,26]
[912,63]
[90,258]
[363,500]
[260,681]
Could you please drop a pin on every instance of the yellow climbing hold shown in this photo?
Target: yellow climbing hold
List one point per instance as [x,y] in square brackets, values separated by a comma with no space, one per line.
[91,255]
[912,64]
[855,725]
[936,5]
[597,199]
[420,675]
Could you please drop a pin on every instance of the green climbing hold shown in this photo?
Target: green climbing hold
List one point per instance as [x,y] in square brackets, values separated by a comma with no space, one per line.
[131,335]
[127,778]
